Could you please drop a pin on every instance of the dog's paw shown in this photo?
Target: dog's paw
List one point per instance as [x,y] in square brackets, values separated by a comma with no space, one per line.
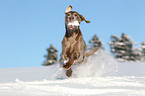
[66,67]
[69,72]
[65,61]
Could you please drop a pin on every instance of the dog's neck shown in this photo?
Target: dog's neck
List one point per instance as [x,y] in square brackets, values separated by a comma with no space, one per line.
[70,32]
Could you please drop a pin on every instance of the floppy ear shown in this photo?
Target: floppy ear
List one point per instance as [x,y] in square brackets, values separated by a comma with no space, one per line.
[68,9]
[83,18]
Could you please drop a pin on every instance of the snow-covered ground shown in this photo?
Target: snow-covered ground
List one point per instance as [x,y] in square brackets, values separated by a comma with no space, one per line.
[100,76]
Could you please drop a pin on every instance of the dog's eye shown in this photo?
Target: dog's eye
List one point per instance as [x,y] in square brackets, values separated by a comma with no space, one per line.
[76,15]
[68,14]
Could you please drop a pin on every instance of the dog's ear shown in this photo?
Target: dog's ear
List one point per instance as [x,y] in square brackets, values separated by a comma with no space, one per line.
[83,18]
[68,9]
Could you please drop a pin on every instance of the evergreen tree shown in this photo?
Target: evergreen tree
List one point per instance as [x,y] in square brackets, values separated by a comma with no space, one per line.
[143,51]
[138,53]
[117,47]
[122,48]
[61,59]
[51,56]
[95,43]
[112,44]
[128,46]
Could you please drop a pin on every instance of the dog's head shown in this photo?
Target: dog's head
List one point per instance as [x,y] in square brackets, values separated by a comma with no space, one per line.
[73,19]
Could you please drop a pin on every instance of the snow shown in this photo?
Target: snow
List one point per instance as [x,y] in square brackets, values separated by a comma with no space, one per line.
[100,76]
[26,74]
[136,69]
[109,86]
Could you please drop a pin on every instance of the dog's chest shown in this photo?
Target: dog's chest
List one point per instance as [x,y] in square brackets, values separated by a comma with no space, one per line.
[72,39]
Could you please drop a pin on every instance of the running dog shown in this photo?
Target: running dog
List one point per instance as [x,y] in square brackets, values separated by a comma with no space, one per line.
[73,44]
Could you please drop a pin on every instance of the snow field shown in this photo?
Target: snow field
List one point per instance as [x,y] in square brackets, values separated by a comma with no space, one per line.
[108,86]
[100,76]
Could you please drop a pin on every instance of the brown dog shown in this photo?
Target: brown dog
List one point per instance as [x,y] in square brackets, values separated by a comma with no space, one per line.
[73,44]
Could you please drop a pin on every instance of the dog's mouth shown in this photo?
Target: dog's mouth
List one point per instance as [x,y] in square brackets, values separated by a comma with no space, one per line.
[73,24]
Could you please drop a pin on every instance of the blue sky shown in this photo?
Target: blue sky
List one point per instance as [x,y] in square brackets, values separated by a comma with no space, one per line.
[28,27]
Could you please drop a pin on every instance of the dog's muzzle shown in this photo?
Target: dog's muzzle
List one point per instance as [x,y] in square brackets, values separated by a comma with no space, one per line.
[73,24]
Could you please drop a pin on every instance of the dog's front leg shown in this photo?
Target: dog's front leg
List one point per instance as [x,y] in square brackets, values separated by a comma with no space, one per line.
[64,51]
[65,56]
[76,55]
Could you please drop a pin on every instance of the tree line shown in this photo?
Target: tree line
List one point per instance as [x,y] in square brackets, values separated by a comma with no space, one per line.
[122,48]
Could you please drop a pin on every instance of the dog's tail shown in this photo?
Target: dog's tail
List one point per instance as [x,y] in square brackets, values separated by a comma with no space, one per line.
[91,52]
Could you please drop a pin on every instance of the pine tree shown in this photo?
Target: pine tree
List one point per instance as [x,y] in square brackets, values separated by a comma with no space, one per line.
[143,51]
[129,55]
[51,56]
[138,53]
[61,59]
[95,43]
[122,48]
[112,44]
[117,47]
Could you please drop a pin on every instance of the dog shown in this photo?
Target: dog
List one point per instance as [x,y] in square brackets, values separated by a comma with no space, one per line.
[73,44]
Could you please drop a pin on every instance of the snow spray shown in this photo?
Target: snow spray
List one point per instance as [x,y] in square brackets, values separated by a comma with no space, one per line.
[99,64]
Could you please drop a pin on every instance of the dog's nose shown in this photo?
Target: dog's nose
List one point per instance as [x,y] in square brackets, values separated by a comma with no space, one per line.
[71,18]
